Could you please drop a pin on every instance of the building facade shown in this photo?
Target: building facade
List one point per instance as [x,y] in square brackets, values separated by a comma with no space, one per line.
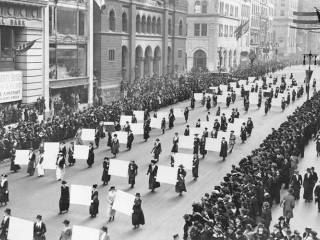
[133,40]
[245,39]
[21,74]
[285,37]
[211,42]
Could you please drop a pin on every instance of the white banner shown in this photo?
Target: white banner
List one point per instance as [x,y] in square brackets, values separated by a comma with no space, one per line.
[10,86]
[123,202]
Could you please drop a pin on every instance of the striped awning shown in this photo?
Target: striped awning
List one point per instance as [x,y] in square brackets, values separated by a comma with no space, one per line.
[307,17]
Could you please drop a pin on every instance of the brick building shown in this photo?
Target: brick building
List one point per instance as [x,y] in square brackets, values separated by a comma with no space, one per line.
[137,39]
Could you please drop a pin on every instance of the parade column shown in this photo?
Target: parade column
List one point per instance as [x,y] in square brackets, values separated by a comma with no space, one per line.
[90,54]
[46,84]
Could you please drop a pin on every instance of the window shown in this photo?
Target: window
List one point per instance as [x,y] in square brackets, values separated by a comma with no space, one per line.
[154,24]
[196,29]
[112,21]
[180,28]
[124,22]
[169,27]
[66,21]
[197,7]
[231,10]
[111,55]
[230,31]
[138,24]
[67,61]
[82,23]
[204,8]
[203,29]
[6,42]
[220,30]
[226,10]
[159,26]
[225,30]
[149,24]
[143,24]
[221,7]
[179,53]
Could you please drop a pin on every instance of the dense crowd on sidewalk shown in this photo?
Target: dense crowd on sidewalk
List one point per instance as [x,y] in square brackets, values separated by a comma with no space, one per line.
[240,207]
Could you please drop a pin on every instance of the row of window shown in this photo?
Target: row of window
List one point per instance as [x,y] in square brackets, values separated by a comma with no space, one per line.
[229,10]
[226,30]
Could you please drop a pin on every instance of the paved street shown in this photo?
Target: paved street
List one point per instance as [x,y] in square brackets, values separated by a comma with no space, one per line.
[163,209]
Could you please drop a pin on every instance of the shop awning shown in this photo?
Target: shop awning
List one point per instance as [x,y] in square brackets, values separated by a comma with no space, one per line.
[70,82]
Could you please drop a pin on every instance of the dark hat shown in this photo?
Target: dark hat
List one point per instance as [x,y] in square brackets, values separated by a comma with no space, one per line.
[281,218]
[153,161]
[39,217]
[188,126]
[95,185]
[157,139]
[112,188]
[104,228]
[138,195]
[296,232]
[7,211]
[180,166]
[66,222]
[64,182]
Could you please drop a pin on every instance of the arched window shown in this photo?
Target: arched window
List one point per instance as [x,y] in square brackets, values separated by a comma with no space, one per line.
[149,24]
[200,60]
[154,25]
[197,7]
[180,28]
[204,8]
[169,26]
[124,22]
[143,24]
[159,26]
[138,24]
[112,21]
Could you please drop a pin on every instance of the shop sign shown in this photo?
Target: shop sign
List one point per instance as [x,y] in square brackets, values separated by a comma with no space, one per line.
[10,86]
[12,22]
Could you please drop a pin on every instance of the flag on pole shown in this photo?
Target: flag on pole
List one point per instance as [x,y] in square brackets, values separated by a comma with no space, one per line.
[25,47]
[307,17]
[242,29]
[101,4]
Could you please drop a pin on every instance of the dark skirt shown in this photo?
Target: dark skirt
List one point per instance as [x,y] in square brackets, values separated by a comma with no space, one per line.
[64,204]
[4,197]
[105,176]
[132,179]
[180,187]
[138,218]
[153,183]
[174,148]
[94,208]
[31,168]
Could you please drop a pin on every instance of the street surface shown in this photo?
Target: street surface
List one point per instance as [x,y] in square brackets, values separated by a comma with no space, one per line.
[163,209]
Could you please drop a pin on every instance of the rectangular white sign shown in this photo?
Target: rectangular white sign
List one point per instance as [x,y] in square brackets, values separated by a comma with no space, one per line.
[87,134]
[167,174]
[10,86]
[20,229]
[22,157]
[84,233]
[186,142]
[81,152]
[118,168]
[80,195]
[123,202]
[185,159]
[139,115]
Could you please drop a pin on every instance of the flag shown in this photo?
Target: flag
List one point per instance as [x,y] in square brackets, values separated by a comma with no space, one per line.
[101,4]
[242,29]
[307,17]
[25,47]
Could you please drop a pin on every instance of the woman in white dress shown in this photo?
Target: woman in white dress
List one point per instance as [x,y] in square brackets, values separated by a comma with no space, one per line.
[60,170]
[111,197]
[40,168]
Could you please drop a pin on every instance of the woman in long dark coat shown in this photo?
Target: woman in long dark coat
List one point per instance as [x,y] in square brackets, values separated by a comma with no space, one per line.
[146,131]
[203,150]
[13,167]
[307,185]
[71,159]
[94,206]
[64,201]
[109,143]
[4,190]
[196,144]
[195,167]
[90,160]
[171,119]
[137,215]
[243,133]
[192,102]
[180,185]
[115,145]
[186,114]
[132,173]
[175,142]
[224,149]
[32,163]
[105,174]
[152,172]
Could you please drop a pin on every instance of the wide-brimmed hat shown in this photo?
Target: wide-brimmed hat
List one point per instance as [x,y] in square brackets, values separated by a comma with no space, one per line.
[67,222]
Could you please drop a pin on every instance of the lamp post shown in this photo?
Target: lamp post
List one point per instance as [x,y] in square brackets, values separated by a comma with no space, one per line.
[309,71]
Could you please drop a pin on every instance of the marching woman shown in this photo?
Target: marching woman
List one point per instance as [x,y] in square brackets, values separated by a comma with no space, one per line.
[146,130]
[71,159]
[180,185]
[13,167]
[115,145]
[156,150]
[208,104]
[130,139]
[175,143]
[132,173]
[94,206]
[218,111]
[105,174]
[60,169]
[203,150]
[4,190]
[39,229]
[249,126]
[232,141]
[243,133]
[186,114]
[152,172]
[137,214]
[40,168]
[111,196]
[266,106]
[32,163]
[192,102]
[163,125]
[224,149]
[64,201]
[90,160]
[283,104]
[318,145]
[171,119]
[195,167]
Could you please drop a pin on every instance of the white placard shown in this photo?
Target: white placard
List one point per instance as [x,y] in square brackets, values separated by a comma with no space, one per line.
[185,159]
[108,123]
[233,85]
[122,136]
[260,83]
[80,195]
[237,91]
[84,233]
[194,130]
[10,86]
[242,82]
[223,88]
[87,134]
[288,81]
[221,99]
[22,157]
[247,88]
[155,123]
[253,98]
[139,115]
[167,174]
[198,96]
[136,128]
[123,202]
[213,145]
[178,112]
[215,89]
[124,119]
[276,102]
[50,155]
[81,152]
[186,142]
[20,229]
[118,168]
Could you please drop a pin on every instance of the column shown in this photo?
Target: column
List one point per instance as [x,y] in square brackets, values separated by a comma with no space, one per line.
[90,54]
[132,42]
[164,33]
[46,52]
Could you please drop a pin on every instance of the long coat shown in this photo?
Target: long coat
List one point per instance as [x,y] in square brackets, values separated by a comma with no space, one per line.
[105,174]
[180,185]
[288,206]
[4,227]
[4,192]
[296,182]
[115,146]
[90,159]
[137,215]
[152,172]
[39,231]
[94,207]
[308,186]
[132,173]
[31,164]
[224,149]
[64,201]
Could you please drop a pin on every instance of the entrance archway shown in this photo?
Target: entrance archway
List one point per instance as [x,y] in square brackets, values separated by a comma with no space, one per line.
[199,60]
[138,63]
[147,62]
[157,60]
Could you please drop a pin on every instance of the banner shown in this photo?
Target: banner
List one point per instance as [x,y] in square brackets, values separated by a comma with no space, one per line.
[10,86]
